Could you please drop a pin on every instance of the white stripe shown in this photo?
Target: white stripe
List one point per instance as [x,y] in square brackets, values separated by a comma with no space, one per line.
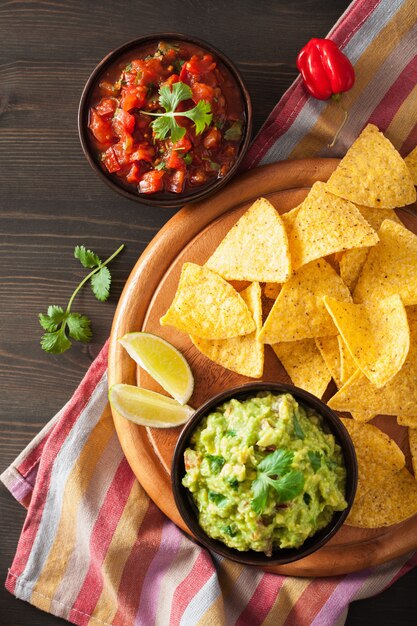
[242,591]
[88,511]
[62,466]
[311,111]
[201,602]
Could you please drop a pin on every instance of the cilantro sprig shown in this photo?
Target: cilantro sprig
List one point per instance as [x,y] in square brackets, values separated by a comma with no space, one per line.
[61,325]
[274,472]
[166,124]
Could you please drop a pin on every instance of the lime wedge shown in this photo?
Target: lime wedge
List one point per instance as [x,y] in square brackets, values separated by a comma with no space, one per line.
[148,408]
[163,362]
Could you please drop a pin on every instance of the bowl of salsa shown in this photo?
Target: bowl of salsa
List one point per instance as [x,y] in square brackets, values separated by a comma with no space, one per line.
[165,119]
[264,474]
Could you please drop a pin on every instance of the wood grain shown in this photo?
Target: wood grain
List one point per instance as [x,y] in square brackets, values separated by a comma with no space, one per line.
[50,200]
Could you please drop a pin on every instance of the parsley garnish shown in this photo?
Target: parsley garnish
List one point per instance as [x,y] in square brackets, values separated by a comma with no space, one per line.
[60,324]
[275,471]
[166,124]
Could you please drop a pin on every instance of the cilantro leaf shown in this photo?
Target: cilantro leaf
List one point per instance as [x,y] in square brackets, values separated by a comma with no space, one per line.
[201,115]
[79,327]
[86,257]
[56,342]
[315,459]
[260,491]
[288,486]
[216,462]
[167,126]
[60,323]
[54,317]
[297,428]
[217,498]
[100,284]
[278,462]
[274,471]
[169,98]
[234,133]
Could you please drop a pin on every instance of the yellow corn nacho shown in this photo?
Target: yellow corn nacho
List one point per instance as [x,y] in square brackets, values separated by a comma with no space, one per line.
[304,365]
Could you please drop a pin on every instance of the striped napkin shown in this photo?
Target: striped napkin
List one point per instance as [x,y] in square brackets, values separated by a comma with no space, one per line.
[94,549]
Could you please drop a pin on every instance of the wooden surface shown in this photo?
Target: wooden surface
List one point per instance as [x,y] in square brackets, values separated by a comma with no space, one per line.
[192,235]
[50,201]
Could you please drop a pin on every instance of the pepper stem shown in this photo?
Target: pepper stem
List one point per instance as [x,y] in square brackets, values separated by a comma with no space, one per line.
[336,97]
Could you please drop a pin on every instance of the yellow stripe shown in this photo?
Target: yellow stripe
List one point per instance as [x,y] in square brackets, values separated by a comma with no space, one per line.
[288,595]
[404,120]
[367,65]
[75,487]
[118,552]
[214,616]
[228,573]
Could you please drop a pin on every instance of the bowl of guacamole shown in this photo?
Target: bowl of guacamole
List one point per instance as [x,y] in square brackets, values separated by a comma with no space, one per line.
[264,473]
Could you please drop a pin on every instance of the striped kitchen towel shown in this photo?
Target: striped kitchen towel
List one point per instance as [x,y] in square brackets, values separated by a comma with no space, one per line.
[94,549]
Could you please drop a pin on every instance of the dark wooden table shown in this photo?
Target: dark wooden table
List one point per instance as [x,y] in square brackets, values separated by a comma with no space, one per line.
[51,200]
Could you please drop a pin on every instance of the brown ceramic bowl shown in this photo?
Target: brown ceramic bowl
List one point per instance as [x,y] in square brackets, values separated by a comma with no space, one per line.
[159,199]
[188,509]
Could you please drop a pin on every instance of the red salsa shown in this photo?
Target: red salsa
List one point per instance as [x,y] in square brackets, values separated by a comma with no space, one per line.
[167,118]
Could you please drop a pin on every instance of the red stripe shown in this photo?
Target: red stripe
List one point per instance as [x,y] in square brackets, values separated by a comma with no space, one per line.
[33,457]
[262,601]
[410,143]
[290,105]
[395,96]
[137,565]
[311,601]
[202,570]
[51,449]
[101,537]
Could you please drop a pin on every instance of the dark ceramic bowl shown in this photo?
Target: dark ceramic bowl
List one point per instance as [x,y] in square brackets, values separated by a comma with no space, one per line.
[188,509]
[160,199]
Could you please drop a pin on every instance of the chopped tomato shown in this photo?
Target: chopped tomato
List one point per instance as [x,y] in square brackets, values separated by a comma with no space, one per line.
[174,161]
[147,70]
[121,154]
[133,97]
[197,67]
[143,152]
[176,181]
[151,182]
[110,160]
[106,106]
[134,174]
[183,144]
[212,139]
[100,127]
[174,78]
[123,122]
[201,91]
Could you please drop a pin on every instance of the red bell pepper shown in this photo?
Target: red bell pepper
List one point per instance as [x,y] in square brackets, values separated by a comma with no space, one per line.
[326,71]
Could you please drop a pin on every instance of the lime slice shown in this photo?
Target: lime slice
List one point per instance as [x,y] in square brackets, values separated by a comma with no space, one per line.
[163,362]
[148,408]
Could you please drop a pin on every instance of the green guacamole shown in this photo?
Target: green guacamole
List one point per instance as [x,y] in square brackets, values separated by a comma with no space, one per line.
[264,474]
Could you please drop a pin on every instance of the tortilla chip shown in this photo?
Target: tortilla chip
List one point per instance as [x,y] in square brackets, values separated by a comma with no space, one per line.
[352,261]
[255,249]
[299,311]
[391,501]
[243,355]
[411,163]
[326,224]
[289,217]
[329,350]
[373,173]
[271,290]
[390,267]
[397,397]
[412,440]
[376,335]
[304,365]
[205,305]
[376,453]
[410,420]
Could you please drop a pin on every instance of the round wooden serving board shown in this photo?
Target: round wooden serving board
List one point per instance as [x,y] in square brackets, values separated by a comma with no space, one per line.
[192,235]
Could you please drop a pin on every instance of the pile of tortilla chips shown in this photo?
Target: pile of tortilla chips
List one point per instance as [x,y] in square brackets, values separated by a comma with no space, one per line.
[341,269]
